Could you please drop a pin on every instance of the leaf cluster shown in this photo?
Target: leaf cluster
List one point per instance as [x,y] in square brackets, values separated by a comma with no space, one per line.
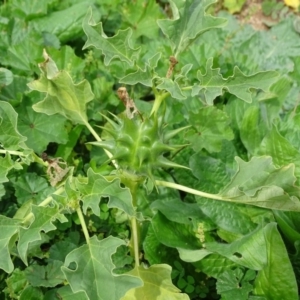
[153,154]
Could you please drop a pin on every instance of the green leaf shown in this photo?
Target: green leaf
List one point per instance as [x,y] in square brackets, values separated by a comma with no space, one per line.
[157,284]
[23,55]
[31,187]
[190,20]
[212,83]
[251,131]
[32,293]
[6,77]
[281,150]
[48,276]
[117,46]
[66,24]
[173,86]
[141,16]
[66,293]
[43,221]
[232,217]
[232,286]
[249,251]
[277,280]
[174,234]
[213,173]
[94,270]
[9,227]
[98,187]
[156,252]
[259,183]
[214,265]
[210,128]
[145,76]
[39,129]
[63,96]
[6,164]
[15,283]
[30,10]
[180,212]
[10,138]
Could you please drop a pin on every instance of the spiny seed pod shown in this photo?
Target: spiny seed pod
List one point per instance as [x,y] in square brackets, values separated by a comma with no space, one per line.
[138,145]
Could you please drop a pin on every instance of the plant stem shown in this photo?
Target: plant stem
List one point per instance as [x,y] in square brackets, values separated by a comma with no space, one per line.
[189,190]
[83,225]
[158,100]
[44,203]
[11,152]
[98,138]
[135,240]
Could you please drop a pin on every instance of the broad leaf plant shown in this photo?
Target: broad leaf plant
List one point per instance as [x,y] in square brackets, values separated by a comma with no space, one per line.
[175,173]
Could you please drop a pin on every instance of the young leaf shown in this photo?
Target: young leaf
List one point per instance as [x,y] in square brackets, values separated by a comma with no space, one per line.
[117,46]
[48,276]
[43,221]
[97,187]
[94,270]
[9,227]
[211,126]
[242,250]
[145,76]
[6,164]
[259,183]
[174,234]
[212,83]
[66,293]
[10,138]
[190,20]
[232,286]
[39,129]
[157,284]
[31,187]
[173,86]
[6,77]
[277,280]
[63,96]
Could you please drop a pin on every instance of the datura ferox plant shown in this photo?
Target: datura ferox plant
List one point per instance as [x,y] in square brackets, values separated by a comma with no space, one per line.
[149,152]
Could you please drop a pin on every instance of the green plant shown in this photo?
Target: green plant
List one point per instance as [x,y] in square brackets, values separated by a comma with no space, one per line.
[168,168]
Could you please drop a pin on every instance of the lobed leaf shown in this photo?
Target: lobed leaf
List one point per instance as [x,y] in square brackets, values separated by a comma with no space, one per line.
[9,227]
[43,221]
[117,46]
[211,126]
[62,95]
[10,138]
[212,83]
[157,284]
[98,187]
[190,20]
[143,76]
[6,164]
[94,270]
[259,183]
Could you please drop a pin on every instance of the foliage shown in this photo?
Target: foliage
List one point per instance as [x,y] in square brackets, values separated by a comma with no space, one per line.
[153,154]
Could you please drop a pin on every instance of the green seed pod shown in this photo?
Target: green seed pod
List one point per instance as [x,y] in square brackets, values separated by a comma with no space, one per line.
[138,145]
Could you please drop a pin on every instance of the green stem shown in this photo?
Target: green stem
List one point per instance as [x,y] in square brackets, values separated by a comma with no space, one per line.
[135,240]
[158,101]
[11,152]
[83,225]
[190,190]
[98,138]
[44,203]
